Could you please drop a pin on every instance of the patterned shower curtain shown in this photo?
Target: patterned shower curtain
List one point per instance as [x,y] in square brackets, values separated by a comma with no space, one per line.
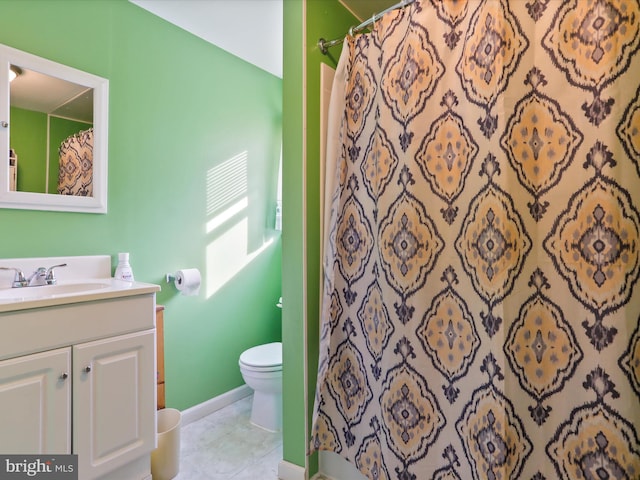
[480,315]
[75,174]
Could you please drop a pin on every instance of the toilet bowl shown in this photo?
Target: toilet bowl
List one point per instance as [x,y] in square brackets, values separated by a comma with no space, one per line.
[261,369]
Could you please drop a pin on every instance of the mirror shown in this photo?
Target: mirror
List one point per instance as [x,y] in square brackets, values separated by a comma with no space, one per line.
[53,128]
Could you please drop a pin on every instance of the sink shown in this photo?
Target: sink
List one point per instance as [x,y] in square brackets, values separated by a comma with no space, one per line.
[49,291]
[84,279]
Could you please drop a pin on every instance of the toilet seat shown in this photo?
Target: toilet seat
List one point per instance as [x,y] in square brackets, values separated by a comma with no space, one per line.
[262,358]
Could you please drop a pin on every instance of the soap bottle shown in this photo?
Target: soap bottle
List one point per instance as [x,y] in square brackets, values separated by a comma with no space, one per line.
[123,270]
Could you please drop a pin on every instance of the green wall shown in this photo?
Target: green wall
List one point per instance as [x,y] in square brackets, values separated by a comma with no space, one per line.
[293,323]
[305,21]
[29,139]
[181,111]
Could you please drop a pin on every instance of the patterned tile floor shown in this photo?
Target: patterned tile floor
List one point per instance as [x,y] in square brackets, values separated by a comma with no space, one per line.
[226,446]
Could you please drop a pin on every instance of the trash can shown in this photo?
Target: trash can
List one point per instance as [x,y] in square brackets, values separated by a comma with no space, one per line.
[165,460]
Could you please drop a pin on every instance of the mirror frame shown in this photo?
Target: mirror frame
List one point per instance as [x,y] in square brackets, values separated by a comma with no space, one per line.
[48,201]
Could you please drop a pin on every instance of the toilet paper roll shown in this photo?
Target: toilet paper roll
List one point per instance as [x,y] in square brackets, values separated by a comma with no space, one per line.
[187,281]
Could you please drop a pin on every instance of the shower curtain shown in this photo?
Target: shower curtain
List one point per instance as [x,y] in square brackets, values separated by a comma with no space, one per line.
[75,173]
[480,314]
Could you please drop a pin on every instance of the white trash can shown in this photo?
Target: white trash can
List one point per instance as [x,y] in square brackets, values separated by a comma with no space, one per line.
[165,460]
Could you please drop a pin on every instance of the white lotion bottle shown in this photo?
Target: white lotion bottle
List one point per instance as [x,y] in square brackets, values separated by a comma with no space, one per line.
[123,270]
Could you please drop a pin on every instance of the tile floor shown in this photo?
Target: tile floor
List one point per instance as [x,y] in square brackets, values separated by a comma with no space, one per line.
[226,446]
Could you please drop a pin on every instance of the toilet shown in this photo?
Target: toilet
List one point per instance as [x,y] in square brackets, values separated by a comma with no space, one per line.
[261,369]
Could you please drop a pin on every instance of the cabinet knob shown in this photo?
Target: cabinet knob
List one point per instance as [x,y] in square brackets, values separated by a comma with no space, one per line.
[4,124]
[87,368]
[64,376]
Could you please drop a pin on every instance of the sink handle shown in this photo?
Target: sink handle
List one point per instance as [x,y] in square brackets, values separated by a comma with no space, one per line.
[18,279]
[50,277]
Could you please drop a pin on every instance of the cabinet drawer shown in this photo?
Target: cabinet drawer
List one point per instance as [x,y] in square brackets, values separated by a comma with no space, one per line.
[40,329]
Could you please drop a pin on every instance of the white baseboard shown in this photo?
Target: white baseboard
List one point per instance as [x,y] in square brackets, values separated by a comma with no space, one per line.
[291,471]
[214,404]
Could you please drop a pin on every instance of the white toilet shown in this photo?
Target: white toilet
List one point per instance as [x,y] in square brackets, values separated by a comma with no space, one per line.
[261,369]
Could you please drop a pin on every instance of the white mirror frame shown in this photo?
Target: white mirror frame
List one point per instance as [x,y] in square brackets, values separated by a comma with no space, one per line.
[43,201]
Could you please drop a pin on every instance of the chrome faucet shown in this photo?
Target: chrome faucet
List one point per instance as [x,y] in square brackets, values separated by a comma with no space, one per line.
[18,279]
[43,276]
[37,278]
[50,277]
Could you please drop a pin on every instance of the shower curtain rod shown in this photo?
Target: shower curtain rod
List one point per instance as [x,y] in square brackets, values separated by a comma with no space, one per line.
[324,45]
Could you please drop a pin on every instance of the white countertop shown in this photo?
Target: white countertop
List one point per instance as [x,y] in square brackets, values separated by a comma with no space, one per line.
[83,279]
[23,298]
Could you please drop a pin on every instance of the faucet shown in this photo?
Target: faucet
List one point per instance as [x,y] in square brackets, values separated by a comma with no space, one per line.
[37,278]
[18,279]
[50,278]
[43,276]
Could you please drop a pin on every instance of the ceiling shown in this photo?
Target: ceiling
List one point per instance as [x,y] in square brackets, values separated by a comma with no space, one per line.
[249,29]
[39,92]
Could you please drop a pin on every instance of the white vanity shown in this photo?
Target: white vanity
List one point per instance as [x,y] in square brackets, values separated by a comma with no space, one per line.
[77,367]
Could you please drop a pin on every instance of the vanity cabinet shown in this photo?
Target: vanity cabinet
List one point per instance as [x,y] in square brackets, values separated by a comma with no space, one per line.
[113,402]
[86,386]
[35,403]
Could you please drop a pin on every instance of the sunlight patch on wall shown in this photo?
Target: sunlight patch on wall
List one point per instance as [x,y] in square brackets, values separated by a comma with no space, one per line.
[228,223]
[228,254]
[226,183]
[226,215]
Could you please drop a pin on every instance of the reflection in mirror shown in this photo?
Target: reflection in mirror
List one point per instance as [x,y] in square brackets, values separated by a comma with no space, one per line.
[54,130]
[51,138]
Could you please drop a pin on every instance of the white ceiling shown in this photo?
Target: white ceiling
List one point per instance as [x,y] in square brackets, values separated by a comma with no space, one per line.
[39,92]
[249,29]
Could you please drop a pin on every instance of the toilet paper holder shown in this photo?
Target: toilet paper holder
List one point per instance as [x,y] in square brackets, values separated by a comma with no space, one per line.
[187,281]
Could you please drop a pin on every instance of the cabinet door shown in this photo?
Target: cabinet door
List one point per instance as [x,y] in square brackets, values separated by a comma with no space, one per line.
[35,403]
[114,402]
